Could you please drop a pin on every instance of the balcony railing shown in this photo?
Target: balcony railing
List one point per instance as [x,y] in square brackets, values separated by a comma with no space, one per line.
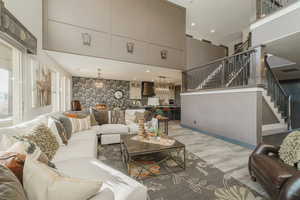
[267,7]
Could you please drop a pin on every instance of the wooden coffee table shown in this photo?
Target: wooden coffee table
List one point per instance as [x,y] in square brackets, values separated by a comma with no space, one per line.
[133,151]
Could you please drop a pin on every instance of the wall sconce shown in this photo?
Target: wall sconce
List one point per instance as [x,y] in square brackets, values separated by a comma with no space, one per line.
[86,39]
[164,54]
[130,47]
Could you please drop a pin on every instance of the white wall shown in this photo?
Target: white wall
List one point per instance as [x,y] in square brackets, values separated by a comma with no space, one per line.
[29,12]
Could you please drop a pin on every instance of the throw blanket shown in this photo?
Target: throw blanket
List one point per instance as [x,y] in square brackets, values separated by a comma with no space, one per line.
[290,149]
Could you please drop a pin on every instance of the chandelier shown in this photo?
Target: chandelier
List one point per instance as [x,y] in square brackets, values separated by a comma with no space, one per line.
[162,84]
[99,82]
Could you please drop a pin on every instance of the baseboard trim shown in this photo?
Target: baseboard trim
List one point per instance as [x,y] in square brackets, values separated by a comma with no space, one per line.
[226,139]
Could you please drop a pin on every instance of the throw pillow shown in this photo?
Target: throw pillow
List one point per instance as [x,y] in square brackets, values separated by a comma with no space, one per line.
[148,115]
[80,124]
[41,182]
[43,137]
[61,131]
[14,162]
[117,117]
[10,187]
[66,123]
[26,148]
[101,116]
[53,128]
[289,150]
[93,120]
[139,116]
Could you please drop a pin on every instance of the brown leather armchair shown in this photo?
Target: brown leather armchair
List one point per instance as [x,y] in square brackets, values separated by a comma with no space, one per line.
[281,181]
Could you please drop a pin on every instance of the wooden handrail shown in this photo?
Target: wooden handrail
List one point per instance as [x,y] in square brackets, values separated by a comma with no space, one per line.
[273,76]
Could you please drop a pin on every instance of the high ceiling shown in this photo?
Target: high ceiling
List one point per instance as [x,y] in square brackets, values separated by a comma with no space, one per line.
[218,20]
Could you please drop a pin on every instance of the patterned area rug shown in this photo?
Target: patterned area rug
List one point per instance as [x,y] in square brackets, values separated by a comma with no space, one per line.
[199,181]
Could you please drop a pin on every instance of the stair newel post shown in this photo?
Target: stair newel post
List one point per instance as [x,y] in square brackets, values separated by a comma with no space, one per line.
[184,81]
[258,67]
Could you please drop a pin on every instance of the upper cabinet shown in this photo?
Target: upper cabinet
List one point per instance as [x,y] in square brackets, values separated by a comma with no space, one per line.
[90,14]
[150,32]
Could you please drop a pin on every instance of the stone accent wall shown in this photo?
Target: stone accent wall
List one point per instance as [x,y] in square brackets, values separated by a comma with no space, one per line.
[84,90]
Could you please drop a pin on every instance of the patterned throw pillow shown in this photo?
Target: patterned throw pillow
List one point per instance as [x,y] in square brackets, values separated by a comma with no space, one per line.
[61,131]
[289,150]
[117,117]
[80,124]
[11,188]
[42,136]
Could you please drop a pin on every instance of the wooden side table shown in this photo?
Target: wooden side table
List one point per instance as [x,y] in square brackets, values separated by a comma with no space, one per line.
[163,123]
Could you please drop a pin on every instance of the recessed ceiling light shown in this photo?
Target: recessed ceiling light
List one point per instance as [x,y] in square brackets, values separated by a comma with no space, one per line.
[152,80]
[212,31]
[148,71]
[193,24]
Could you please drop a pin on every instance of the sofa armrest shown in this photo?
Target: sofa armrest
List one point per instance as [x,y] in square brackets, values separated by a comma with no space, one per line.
[266,149]
[291,189]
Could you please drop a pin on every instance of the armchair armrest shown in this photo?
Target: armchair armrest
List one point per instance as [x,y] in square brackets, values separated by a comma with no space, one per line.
[266,149]
[291,189]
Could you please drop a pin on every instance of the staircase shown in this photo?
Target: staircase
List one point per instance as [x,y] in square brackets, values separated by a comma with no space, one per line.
[235,71]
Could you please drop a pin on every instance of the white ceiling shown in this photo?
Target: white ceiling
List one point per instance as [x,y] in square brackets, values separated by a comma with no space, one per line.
[85,66]
[287,48]
[227,17]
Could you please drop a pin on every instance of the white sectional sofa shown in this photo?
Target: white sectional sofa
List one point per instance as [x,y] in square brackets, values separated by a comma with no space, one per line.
[79,159]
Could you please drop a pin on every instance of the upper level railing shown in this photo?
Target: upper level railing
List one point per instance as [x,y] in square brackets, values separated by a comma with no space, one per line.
[232,71]
[267,7]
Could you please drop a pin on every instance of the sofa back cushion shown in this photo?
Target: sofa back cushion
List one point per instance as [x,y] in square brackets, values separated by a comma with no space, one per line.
[10,186]
[130,115]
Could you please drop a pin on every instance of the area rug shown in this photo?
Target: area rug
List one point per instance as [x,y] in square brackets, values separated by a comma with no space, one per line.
[199,181]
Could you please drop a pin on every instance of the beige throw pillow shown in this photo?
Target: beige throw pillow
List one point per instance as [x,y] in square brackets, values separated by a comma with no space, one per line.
[80,124]
[41,182]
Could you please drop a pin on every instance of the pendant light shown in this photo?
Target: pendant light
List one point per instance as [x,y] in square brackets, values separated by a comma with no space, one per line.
[99,82]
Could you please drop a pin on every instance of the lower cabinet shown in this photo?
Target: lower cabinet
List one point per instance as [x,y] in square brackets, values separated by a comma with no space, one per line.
[72,39]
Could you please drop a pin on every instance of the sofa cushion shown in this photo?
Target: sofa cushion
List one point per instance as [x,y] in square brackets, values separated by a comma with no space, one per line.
[272,170]
[81,145]
[122,186]
[10,187]
[113,129]
[41,182]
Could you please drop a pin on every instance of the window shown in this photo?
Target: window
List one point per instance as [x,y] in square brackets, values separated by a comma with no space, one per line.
[6,81]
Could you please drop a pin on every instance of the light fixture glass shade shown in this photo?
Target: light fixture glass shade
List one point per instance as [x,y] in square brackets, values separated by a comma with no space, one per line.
[99,82]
